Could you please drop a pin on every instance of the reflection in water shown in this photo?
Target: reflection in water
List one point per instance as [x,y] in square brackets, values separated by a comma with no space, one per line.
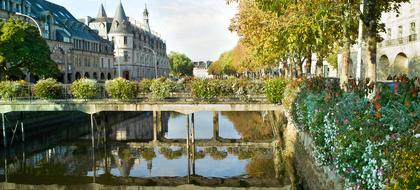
[122,154]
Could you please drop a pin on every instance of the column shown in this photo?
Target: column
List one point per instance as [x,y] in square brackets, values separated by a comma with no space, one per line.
[4,130]
[192,129]
[154,126]
[215,125]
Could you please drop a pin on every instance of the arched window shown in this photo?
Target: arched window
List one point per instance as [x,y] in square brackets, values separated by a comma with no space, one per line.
[78,76]
[126,75]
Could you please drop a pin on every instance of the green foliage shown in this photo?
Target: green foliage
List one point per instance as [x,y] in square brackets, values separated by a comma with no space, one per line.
[121,88]
[274,89]
[180,64]
[223,66]
[363,138]
[10,89]
[161,88]
[48,89]
[22,48]
[84,89]
[205,89]
[145,84]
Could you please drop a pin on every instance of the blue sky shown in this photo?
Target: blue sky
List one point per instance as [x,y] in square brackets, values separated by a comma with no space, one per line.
[198,28]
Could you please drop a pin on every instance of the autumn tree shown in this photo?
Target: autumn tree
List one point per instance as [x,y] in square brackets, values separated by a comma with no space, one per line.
[23,49]
[223,66]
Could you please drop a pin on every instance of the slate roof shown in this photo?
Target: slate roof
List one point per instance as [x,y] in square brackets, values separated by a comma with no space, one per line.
[63,19]
[120,24]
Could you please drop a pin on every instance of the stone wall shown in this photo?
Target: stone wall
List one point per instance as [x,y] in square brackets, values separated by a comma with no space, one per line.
[309,175]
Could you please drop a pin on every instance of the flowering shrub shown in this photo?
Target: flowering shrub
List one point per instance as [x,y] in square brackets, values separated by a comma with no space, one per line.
[144,85]
[48,89]
[205,89]
[11,89]
[274,89]
[121,88]
[161,88]
[359,137]
[84,89]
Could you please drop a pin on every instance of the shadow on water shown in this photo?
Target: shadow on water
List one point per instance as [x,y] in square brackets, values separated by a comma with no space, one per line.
[231,149]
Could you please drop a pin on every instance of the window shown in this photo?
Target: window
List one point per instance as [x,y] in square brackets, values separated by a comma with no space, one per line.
[126,56]
[389,33]
[125,40]
[109,63]
[413,28]
[102,62]
[400,31]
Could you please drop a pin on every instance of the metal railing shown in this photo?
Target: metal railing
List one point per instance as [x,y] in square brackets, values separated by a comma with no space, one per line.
[180,96]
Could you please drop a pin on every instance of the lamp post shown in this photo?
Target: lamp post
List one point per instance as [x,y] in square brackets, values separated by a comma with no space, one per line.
[36,23]
[40,33]
[155,60]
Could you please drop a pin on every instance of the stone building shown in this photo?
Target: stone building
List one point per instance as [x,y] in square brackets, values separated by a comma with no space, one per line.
[139,52]
[77,50]
[399,52]
[201,69]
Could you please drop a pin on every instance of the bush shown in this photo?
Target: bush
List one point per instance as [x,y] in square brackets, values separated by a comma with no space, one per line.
[274,89]
[161,88]
[145,84]
[10,89]
[121,88]
[205,89]
[48,89]
[371,141]
[84,89]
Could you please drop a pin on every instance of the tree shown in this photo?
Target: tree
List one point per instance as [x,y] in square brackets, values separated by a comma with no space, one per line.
[223,66]
[372,11]
[23,49]
[180,64]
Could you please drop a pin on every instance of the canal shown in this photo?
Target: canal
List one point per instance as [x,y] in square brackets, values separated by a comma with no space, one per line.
[207,149]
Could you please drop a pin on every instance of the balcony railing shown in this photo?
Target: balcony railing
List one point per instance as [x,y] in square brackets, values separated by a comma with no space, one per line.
[399,41]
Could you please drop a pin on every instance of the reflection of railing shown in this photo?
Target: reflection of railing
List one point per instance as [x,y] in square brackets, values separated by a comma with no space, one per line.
[399,41]
[27,94]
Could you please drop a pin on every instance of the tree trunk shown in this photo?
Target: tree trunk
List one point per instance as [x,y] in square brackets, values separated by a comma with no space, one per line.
[319,64]
[308,66]
[344,75]
[371,40]
[300,69]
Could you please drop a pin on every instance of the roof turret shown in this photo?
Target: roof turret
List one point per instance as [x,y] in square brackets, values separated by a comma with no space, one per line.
[101,12]
[120,24]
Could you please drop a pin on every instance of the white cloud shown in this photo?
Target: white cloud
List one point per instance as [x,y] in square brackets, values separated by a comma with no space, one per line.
[198,28]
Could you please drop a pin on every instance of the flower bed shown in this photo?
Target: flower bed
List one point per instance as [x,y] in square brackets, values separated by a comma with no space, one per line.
[364,140]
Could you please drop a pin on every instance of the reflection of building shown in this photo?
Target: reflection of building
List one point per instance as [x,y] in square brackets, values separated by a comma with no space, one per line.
[77,50]
[139,127]
[399,52]
[201,69]
[139,52]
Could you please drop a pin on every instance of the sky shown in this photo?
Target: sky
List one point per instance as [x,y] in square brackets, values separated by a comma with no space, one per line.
[198,28]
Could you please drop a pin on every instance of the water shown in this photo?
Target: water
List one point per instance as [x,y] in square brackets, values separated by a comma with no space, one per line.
[231,149]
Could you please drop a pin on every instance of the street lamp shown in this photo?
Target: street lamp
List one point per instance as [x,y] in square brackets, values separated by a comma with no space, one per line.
[36,23]
[155,60]
[40,33]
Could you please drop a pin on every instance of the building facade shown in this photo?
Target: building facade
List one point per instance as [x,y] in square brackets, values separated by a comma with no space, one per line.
[399,52]
[201,69]
[77,50]
[139,52]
